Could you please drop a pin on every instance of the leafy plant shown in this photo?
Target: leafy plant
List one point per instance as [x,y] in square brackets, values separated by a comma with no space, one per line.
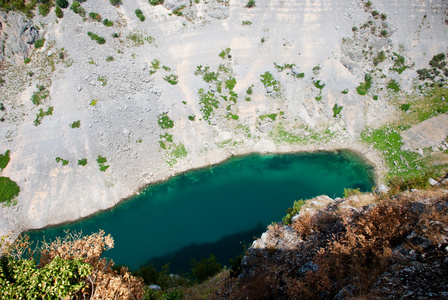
[171,79]
[102,163]
[42,114]
[363,88]
[115,2]
[93,102]
[62,3]
[268,80]
[100,40]
[156,2]
[82,162]
[345,92]
[77,8]
[4,159]
[95,16]
[393,85]
[230,83]
[337,110]
[39,43]
[8,190]
[250,4]
[165,122]
[208,102]
[110,58]
[246,23]
[191,118]
[292,211]
[64,161]
[139,14]
[224,53]
[75,124]
[59,13]
[205,268]
[108,23]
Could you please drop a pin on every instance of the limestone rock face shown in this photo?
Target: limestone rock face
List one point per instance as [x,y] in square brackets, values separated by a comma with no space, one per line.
[17,34]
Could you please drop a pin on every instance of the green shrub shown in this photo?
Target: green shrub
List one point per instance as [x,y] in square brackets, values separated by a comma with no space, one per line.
[100,40]
[95,16]
[75,124]
[208,102]
[110,58]
[191,118]
[77,9]
[139,14]
[64,161]
[268,80]
[250,4]
[4,159]
[44,8]
[249,91]
[351,192]
[102,163]
[393,85]
[345,92]
[59,13]
[363,88]
[156,2]
[292,211]
[230,83]
[384,32]
[171,79]
[405,107]
[62,3]
[82,162]
[337,110]
[42,114]
[115,2]
[318,84]
[224,53]
[27,60]
[246,23]
[205,268]
[8,190]
[165,122]
[108,23]
[39,43]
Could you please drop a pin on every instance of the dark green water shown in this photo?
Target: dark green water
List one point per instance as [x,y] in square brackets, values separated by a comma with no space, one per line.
[217,209]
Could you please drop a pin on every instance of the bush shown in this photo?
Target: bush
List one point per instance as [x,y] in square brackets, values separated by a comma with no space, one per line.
[292,211]
[250,4]
[337,110]
[44,9]
[82,162]
[76,124]
[59,13]
[8,190]
[205,268]
[165,122]
[100,40]
[95,16]
[139,14]
[39,43]
[108,23]
[363,88]
[393,85]
[77,9]
[62,3]
[156,2]
[115,2]
[4,159]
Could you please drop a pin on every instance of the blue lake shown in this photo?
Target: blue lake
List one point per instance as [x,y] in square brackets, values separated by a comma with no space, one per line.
[217,209]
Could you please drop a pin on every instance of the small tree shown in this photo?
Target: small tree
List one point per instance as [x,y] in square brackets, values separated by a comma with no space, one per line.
[62,3]
[59,12]
[115,2]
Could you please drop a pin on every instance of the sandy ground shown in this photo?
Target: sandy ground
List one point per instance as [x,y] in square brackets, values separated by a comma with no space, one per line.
[123,125]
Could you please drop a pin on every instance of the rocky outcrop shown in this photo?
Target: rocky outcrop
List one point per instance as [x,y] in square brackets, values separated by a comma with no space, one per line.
[368,246]
[17,35]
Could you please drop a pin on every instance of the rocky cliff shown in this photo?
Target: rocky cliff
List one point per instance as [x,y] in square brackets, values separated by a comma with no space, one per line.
[361,247]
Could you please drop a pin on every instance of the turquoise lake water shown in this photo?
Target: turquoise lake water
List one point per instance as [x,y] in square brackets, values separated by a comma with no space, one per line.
[217,209]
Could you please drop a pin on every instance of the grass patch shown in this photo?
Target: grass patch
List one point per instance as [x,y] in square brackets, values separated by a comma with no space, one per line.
[246,23]
[192,117]
[41,94]
[399,64]
[39,43]
[273,117]
[82,162]
[9,190]
[102,79]
[176,152]
[268,80]
[4,159]
[381,56]
[230,83]
[102,163]
[95,16]
[109,58]
[393,85]
[432,104]
[250,4]
[93,102]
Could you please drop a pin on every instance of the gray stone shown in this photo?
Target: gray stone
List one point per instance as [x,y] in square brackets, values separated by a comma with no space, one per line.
[266,127]
[382,189]
[295,70]
[433,182]
[155,287]
[269,89]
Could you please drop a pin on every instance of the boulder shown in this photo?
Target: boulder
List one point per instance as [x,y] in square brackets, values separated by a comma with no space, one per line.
[295,70]
[17,37]
[218,10]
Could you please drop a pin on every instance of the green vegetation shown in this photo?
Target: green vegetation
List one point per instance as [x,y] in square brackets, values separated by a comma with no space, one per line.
[281,135]
[438,68]
[192,117]
[393,85]
[95,16]
[432,104]
[268,116]
[246,23]
[138,39]
[249,90]
[82,162]
[78,9]
[102,163]
[387,140]
[345,92]
[171,79]
[225,53]
[110,58]
[399,64]
[26,7]
[75,124]
[41,94]
[337,111]
[250,4]
[9,190]
[351,192]
[205,268]
[230,83]
[59,13]
[100,40]
[102,79]
[176,152]
[405,107]
[292,211]
[45,7]
[115,2]
[4,159]
[178,11]
[62,3]
[155,64]
[139,14]
[42,114]
[108,23]
[39,43]
[93,102]
[166,68]
[381,56]
[384,33]
[208,102]
[165,122]
[268,80]
[64,161]
[318,84]
[232,116]
[156,2]
[363,88]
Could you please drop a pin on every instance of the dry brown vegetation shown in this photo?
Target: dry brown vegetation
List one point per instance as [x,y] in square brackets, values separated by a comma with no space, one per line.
[390,248]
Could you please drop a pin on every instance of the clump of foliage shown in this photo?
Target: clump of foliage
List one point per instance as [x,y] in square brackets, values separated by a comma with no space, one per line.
[292,211]
[62,3]
[381,56]
[438,64]
[93,102]
[139,14]
[208,103]
[246,23]
[115,2]
[75,124]
[399,64]
[178,11]
[39,43]
[345,92]
[59,13]
[4,159]
[250,4]
[100,40]
[110,58]
[42,114]
[95,16]
[26,7]
[165,122]
[268,80]
[9,190]
[69,268]
[230,83]
[171,79]
[78,9]
[393,85]
[364,87]
[191,118]
[205,268]
[108,23]
[405,107]
[64,161]
[348,192]
[102,163]
[82,162]
[268,116]
[337,110]
[41,94]
[156,2]
[45,7]
[224,53]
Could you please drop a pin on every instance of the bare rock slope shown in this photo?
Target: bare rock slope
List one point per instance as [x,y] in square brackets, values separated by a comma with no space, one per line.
[90,123]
